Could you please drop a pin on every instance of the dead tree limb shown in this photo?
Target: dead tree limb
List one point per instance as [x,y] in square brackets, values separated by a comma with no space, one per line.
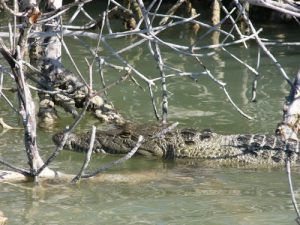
[87,158]
[245,17]
[117,162]
[288,7]
[6,126]
[171,12]
[27,107]
[289,126]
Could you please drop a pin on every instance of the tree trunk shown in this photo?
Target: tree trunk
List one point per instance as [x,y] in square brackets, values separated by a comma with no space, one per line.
[27,107]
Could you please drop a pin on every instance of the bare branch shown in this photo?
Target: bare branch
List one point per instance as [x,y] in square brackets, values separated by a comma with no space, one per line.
[261,44]
[73,62]
[290,8]
[17,169]
[66,134]
[117,162]
[7,127]
[288,171]
[289,126]
[87,158]
[3,3]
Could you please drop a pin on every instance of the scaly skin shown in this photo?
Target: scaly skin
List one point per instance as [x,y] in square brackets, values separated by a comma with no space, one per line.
[238,149]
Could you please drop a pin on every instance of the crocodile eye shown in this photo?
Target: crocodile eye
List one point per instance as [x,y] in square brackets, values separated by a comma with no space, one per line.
[206,134]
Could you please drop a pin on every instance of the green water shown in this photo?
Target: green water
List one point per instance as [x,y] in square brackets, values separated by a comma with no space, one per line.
[147,191]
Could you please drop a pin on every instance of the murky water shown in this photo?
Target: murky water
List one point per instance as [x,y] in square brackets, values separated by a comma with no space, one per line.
[147,191]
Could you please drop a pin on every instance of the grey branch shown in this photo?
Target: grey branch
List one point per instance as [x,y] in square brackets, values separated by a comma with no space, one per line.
[117,162]
[87,158]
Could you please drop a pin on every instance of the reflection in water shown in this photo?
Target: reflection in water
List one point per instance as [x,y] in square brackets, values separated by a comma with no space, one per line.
[178,194]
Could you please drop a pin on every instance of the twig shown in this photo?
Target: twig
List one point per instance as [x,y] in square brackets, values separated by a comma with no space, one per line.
[55,152]
[233,22]
[290,8]
[1,81]
[213,28]
[223,86]
[75,14]
[254,84]
[116,67]
[171,11]
[15,25]
[157,56]
[5,126]
[260,43]
[155,11]
[10,36]
[8,102]
[90,66]
[17,169]
[246,38]
[240,61]
[13,12]
[153,102]
[86,14]
[234,105]
[143,77]
[87,157]
[196,22]
[117,162]
[100,61]
[163,83]
[56,13]
[120,6]
[106,18]
[47,91]
[164,131]
[73,62]
[181,74]
[280,43]
[121,79]
[66,134]
[288,171]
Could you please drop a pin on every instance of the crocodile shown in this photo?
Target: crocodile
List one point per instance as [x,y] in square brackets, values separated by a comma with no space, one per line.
[187,143]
